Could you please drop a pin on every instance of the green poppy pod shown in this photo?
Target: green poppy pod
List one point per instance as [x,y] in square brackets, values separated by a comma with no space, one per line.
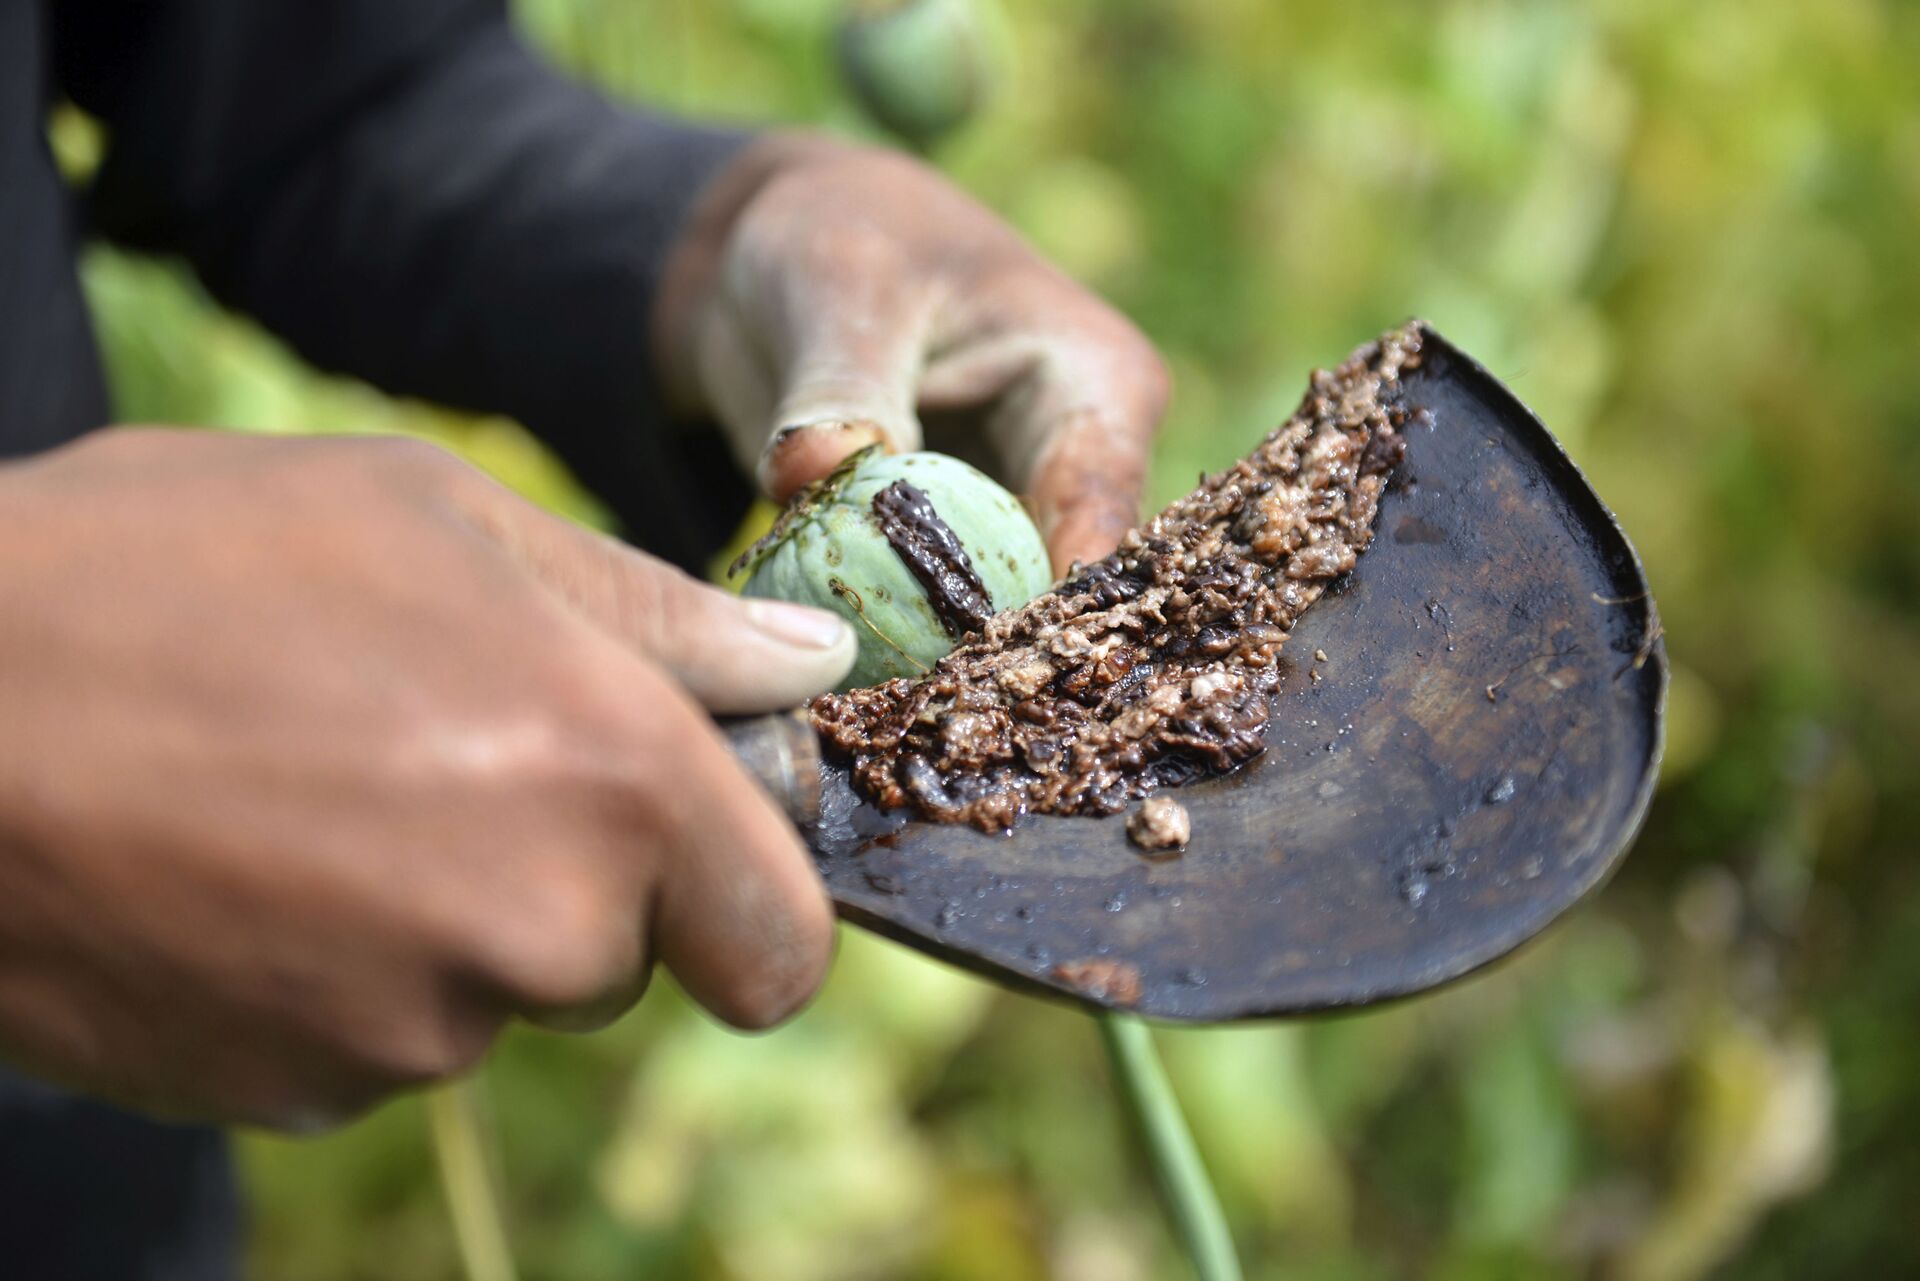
[915,550]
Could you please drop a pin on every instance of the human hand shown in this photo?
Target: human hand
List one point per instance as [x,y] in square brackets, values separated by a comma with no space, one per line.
[825,293]
[322,758]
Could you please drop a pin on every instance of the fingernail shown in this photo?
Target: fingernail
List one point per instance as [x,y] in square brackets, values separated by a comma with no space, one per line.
[840,429]
[797,625]
[863,425]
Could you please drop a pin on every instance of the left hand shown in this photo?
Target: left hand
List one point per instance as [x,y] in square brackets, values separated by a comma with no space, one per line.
[826,294]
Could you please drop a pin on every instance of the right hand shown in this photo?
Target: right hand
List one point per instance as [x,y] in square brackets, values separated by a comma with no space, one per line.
[320,759]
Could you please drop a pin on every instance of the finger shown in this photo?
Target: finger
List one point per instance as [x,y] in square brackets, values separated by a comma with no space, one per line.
[739,915]
[687,864]
[849,351]
[712,881]
[798,455]
[1078,430]
[595,1014]
[1086,489]
[730,654]
[972,373]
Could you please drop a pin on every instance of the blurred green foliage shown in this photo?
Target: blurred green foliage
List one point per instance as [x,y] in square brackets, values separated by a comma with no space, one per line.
[1685,234]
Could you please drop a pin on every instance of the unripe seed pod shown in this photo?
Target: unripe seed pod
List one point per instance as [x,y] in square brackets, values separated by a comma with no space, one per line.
[914,550]
[918,67]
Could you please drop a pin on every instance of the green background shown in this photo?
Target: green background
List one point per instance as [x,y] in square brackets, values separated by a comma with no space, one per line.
[1686,235]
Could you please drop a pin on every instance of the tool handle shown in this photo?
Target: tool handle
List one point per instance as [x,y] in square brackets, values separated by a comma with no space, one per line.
[782,753]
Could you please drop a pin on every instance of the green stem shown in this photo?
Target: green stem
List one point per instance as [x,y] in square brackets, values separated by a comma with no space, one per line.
[1192,1203]
[473,1199]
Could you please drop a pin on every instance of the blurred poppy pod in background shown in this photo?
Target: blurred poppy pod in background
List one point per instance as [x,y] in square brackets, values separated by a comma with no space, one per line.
[919,68]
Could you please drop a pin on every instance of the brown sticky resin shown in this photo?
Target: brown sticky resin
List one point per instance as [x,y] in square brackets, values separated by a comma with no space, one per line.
[1154,666]
[933,553]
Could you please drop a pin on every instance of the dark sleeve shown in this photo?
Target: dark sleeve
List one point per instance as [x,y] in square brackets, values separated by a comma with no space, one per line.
[403,191]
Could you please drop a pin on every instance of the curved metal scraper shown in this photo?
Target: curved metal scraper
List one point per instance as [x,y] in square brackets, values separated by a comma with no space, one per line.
[1474,757]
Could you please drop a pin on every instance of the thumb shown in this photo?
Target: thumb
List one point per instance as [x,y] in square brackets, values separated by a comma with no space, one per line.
[732,655]
[737,655]
[847,378]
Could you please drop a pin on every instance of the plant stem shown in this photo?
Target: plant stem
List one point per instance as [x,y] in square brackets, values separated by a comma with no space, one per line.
[473,1199]
[1148,1095]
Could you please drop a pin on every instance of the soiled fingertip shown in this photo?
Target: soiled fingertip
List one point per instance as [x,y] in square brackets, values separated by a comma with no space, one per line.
[786,987]
[762,947]
[1087,533]
[804,452]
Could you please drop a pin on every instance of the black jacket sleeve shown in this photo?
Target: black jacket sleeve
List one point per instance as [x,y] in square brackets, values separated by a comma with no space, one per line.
[407,194]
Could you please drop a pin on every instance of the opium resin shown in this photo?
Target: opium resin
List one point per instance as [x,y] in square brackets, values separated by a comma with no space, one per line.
[1154,666]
